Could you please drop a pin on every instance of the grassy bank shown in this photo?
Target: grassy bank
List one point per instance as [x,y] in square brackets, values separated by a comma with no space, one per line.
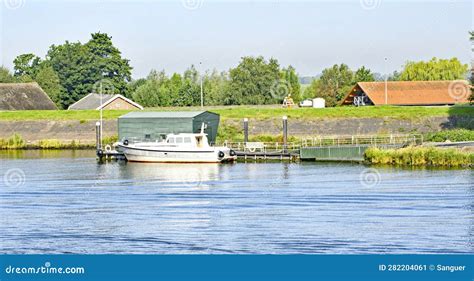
[236,134]
[257,112]
[420,156]
[451,135]
[17,142]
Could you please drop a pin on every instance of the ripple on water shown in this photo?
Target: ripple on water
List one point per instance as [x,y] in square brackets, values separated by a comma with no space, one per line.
[74,205]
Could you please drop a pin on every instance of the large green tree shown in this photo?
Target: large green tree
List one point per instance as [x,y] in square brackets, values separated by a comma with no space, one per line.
[336,81]
[108,63]
[154,92]
[177,90]
[435,69]
[81,68]
[363,74]
[73,64]
[48,80]
[254,81]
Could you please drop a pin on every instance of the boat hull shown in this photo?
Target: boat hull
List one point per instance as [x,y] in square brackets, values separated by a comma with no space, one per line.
[135,154]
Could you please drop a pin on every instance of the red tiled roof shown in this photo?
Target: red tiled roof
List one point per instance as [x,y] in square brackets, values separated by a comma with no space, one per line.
[413,92]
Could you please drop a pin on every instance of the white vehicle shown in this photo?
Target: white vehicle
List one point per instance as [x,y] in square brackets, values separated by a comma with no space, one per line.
[177,148]
[306,103]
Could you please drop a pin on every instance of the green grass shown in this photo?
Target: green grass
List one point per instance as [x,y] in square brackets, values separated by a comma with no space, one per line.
[16,142]
[257,112]
[346,112]
[451,135]
[54,115]
[420,156]
[235,134]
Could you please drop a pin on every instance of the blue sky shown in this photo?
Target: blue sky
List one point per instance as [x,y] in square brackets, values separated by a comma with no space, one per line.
[310,35]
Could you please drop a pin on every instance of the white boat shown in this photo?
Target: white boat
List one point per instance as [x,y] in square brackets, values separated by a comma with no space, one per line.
[177,148]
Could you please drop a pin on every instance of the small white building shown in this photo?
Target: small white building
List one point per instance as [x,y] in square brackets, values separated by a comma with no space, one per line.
[319,103]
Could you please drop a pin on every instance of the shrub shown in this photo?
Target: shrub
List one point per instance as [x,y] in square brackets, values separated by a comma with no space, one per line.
[451,135]
[420,156]
[14,142]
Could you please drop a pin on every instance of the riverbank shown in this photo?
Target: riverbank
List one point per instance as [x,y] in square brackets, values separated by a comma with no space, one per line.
[16,142]
[230,129]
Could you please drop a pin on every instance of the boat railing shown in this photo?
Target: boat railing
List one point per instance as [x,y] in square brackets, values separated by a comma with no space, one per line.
[132,140]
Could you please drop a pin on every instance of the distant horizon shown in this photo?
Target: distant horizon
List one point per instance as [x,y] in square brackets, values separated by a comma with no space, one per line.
[310,36]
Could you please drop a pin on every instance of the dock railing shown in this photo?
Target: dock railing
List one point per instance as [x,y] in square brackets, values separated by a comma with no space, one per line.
[411,139]
[321,141]
[266,147]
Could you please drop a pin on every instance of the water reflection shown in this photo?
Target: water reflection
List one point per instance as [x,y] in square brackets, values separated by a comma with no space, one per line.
[187,175]
[46,154]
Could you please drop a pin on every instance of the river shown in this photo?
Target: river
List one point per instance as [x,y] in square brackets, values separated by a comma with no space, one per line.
[66,202]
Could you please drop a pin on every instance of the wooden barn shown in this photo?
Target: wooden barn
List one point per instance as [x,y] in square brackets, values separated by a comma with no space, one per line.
[24,96]
[109,102]
[408,93]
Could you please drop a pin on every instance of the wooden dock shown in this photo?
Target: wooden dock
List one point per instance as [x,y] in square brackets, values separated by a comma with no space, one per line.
[110,155]
[246,155]
[315,149]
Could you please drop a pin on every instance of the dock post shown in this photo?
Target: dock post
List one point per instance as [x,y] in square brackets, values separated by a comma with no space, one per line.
[246,130]
[98,140]
[285,133]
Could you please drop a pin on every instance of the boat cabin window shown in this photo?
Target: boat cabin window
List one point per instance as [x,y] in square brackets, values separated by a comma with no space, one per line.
[187,140]
[171,140]
[179,140]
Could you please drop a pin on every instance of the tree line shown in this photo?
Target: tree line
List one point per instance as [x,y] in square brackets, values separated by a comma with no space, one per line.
[70,71]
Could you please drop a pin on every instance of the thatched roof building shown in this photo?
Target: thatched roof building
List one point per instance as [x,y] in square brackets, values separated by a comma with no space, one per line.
[409,93]
[24,96]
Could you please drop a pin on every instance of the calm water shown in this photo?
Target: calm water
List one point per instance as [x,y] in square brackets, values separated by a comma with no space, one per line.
[68,203]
